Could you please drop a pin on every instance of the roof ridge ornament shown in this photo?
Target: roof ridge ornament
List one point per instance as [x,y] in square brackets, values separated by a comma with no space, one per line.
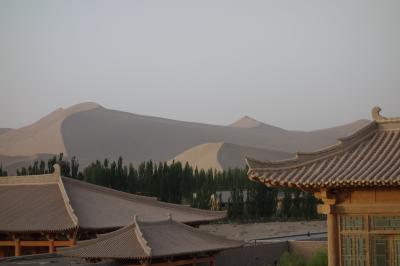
[57,170]
[380,118]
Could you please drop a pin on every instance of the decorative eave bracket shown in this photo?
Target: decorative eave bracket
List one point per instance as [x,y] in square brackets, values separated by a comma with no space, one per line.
[329,199]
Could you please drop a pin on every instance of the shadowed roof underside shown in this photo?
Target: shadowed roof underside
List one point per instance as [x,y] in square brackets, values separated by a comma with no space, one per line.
[140,240]
[369,157]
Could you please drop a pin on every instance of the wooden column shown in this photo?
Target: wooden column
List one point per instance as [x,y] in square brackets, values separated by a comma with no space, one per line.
[333,243]
[212,262]
[17,247]
[51,246]
[333,234]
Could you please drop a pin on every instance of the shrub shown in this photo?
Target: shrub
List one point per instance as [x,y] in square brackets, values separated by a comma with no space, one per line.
[291,259]
[320,258]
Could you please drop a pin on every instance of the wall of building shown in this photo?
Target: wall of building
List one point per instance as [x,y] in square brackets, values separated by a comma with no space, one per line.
[267,254]
[259,255]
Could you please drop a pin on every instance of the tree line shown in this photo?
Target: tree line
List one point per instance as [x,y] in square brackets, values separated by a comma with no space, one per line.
[181,183]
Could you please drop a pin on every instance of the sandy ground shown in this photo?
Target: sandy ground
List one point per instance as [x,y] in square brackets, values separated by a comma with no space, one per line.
[203,156]
[261,230]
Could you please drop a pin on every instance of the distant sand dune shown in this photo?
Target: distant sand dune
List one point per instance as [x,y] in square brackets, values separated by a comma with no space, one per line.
[92,132]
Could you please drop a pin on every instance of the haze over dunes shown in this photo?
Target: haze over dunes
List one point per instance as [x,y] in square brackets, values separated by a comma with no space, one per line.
[92,132]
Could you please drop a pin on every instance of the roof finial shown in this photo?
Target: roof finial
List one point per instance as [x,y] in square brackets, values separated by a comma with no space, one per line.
[57,170]
[376,113]
[169,216]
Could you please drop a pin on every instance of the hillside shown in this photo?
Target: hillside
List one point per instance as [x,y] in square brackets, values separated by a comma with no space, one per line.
[92,132]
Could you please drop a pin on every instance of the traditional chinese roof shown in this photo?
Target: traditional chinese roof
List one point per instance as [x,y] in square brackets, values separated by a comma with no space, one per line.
[98,207]
[369,157]
[35,203]
[156,239]
[50,203]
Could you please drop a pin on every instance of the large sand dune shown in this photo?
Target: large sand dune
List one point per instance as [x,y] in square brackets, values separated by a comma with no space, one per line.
[43,136]
[100,133]
[91,132]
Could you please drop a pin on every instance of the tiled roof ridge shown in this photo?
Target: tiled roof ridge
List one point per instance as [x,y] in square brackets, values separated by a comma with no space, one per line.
[170,221]
[67,202]
[369,157]
[142,241]
[150,200]
[100,238]
[115,245]
[343,144]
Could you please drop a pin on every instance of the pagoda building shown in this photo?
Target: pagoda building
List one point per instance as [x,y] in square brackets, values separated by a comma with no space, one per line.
[40,213]
[158,243]
[358,181]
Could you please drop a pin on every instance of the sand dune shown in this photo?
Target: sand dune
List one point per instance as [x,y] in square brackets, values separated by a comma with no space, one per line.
[221,155]
[203,156]
[101,133]
[43,136]
[92,132]
[246,122]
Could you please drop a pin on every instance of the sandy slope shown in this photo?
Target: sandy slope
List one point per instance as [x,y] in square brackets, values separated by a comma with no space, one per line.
[202,156]
[101,133]
[43,136]
[221,155]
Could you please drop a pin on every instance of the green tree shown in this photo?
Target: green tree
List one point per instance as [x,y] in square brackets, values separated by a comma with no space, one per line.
[320,258]
[291,259]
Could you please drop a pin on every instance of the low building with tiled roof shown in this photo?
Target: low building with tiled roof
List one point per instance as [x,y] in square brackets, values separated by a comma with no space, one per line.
[165,242]
[358,179]
[41,212]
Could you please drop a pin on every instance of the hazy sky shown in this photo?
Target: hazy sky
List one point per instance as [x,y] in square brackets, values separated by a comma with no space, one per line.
[294,64]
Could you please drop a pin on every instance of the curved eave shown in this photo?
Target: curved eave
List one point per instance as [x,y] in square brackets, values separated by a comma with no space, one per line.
[302,158]
[317,186]
[39,230]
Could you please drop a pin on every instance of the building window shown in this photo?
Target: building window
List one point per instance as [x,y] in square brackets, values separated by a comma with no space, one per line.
[397,250]
[369,240]
[385,222]
[381,251]
[354,250]
[352,223]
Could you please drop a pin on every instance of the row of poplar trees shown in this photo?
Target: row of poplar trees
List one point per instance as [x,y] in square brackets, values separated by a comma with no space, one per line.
[183,184]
